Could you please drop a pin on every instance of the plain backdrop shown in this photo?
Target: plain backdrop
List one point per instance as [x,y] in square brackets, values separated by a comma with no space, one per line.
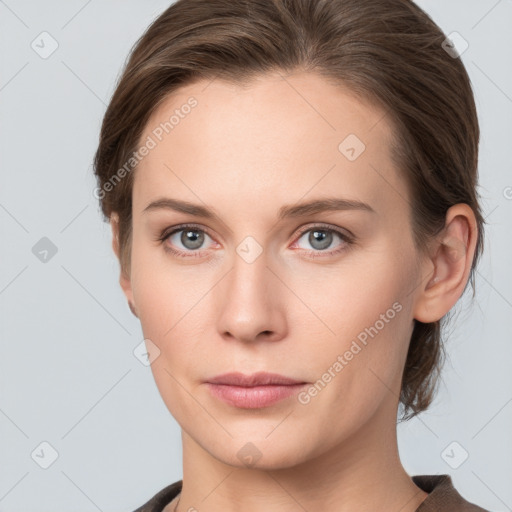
[74,397]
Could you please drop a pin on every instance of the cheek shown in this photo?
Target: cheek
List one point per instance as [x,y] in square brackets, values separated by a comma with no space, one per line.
[364,298]
[164,293]
[172,316]
[358,370]
[364,331]
[172,302]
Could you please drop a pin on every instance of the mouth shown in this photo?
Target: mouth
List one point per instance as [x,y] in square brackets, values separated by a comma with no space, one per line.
[253,391]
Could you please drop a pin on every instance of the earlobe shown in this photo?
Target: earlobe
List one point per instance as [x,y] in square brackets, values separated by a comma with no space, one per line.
[124,279]
[451,261]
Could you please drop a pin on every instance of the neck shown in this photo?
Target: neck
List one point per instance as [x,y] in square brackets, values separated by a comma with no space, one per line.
[363,472]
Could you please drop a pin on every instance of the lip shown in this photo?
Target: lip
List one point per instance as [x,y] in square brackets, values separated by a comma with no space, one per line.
[255,379]
[254,391]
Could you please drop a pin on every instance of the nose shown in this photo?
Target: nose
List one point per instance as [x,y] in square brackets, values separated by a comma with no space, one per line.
[250,302]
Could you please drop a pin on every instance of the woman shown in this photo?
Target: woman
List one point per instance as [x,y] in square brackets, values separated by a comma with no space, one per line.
[291,186]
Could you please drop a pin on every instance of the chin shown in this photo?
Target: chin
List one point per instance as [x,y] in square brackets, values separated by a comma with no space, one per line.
[256,452]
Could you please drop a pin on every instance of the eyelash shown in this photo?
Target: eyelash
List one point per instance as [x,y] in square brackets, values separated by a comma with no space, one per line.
[348,240]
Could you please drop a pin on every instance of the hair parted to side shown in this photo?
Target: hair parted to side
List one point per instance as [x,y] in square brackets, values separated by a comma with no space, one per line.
[386,52]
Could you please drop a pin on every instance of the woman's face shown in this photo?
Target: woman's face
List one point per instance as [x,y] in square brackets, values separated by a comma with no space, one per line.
[261,283]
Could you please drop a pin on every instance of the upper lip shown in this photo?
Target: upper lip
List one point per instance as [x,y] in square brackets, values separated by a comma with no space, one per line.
[255,379]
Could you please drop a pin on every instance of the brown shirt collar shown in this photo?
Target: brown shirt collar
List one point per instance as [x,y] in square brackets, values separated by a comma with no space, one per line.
[442,496]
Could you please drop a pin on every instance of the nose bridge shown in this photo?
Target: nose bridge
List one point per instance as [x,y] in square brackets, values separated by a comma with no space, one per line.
[250,275]
[247,299]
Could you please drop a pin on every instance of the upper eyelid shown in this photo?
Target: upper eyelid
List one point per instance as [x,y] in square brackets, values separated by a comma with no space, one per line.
[326,227]
[302,229]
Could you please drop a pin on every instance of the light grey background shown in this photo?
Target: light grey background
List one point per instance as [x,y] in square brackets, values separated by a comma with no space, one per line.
[68,376]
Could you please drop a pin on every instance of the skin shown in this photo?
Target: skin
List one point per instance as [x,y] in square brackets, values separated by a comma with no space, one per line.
[245,153]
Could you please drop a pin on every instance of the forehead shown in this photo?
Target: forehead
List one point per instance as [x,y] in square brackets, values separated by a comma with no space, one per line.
[280,137]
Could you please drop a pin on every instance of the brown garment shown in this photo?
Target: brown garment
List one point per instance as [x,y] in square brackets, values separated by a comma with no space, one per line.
[442,496]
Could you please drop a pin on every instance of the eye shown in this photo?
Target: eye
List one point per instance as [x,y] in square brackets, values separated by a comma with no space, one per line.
[185,240]
[188,240]
[322,238]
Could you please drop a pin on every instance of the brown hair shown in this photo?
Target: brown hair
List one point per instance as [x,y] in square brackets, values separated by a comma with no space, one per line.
[387,52]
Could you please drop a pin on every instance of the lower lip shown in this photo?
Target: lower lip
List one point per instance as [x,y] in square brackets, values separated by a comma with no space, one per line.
[253,397]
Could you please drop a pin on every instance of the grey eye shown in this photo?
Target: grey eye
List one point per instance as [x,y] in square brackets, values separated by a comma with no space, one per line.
[319,239]
[190,239]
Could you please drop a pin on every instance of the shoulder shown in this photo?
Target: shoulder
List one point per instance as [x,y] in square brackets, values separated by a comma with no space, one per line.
[158,502]
[442,495]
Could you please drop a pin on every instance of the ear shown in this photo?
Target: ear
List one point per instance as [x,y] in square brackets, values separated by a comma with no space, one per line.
[124,278]
[446,271]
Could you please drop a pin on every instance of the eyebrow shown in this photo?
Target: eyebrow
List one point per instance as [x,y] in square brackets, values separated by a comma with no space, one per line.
[288,211]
